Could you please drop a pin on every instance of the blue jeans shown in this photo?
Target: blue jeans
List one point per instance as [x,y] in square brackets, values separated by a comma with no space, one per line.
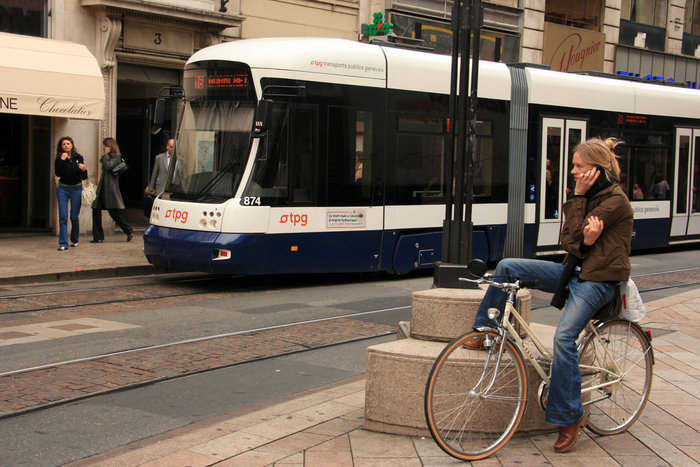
[585,299]
[65,194]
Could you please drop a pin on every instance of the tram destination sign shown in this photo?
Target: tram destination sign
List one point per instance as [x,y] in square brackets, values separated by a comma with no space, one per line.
[218,83]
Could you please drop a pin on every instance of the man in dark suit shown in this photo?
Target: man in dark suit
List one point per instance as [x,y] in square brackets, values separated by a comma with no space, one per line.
[158,176]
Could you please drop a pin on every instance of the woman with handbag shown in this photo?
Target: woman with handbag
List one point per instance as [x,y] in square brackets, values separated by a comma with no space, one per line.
[70,168]
[108,195]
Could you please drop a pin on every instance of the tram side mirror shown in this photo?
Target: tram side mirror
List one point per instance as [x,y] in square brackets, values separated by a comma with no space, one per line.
[158,116]
[477,268]
[262,117]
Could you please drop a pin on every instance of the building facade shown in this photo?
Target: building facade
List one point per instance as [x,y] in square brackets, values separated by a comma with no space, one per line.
[139,48]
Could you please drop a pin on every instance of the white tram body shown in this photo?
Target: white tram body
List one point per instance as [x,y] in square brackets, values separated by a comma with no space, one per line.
[348,174]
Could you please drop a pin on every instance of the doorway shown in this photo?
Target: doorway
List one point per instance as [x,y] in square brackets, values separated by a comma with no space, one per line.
[559,138]
[686,213]
[138,88]
[26,179]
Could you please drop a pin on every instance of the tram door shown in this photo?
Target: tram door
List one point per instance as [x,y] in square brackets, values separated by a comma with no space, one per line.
[559,138]
[686,210]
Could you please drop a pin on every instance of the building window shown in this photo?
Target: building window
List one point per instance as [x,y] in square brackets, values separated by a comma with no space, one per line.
[651,12]
[643,24]
[692,17]
[495,46]
[584,15]
[27,17]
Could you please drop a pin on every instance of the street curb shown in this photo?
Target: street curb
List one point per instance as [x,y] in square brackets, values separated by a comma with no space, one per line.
[121,271]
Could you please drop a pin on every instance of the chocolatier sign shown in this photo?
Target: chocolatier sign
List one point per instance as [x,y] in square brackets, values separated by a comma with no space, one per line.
[572,49]
[51,78]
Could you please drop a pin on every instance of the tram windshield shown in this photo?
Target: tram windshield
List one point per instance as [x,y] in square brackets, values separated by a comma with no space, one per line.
[215,135]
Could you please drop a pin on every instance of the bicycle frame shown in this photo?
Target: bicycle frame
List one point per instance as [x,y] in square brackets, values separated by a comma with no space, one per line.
[507,329]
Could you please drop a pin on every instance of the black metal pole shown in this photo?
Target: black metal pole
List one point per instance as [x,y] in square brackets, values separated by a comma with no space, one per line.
[459,147]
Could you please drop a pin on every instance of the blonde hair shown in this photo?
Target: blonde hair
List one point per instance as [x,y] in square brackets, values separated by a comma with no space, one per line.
[596,151]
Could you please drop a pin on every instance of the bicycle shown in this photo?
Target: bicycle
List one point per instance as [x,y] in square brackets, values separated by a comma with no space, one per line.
[476,399]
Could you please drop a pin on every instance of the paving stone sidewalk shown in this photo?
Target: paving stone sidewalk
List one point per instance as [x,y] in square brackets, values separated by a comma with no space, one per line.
[324,427]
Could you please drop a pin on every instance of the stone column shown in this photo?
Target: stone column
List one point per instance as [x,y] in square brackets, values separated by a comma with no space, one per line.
[109,30]
[533,31]
[674,27]
[611,28]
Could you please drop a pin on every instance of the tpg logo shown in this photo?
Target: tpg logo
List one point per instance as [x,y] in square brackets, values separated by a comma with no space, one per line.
[176,215]
[294,219]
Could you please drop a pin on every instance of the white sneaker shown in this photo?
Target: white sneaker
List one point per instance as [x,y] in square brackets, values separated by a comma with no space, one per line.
[74,244]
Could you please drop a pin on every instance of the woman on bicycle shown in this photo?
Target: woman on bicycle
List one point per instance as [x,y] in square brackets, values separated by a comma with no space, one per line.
[597,232]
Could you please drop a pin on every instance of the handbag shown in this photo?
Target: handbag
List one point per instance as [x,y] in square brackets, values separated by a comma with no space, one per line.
[89,193]
[120,168]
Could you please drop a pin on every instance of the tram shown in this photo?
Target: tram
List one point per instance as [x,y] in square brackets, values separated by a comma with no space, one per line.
[303,155]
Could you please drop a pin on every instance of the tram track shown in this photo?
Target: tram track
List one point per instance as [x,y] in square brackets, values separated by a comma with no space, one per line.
[27,390]
[55,300]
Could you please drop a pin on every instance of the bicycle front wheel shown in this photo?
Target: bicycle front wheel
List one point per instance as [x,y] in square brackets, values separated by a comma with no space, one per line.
[473,401]
[621,375]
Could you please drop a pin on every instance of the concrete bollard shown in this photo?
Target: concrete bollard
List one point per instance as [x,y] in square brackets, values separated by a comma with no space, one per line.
[397,372]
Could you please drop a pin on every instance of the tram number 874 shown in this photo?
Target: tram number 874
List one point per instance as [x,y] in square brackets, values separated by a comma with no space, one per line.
[251,201]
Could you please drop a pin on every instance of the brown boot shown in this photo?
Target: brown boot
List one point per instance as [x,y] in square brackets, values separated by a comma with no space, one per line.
[475,344]
[568,435]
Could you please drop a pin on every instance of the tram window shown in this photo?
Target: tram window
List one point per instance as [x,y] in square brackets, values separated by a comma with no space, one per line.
[302,158]
[486,179]
[695,201]
[552,174]
[349,169]
[682,190]
[652,172]
[269,177]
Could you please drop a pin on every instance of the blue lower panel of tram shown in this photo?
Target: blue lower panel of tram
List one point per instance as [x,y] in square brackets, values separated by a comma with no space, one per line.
[324,252]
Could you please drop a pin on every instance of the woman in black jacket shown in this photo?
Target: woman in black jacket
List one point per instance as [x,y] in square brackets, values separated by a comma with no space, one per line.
[70,168]
[108,195]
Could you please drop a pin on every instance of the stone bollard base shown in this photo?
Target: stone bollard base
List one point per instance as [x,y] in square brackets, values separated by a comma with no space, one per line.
[397,373]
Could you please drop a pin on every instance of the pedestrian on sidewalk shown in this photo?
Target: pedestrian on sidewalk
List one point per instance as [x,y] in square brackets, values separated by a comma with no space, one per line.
[70,168]
[108,195]
[159,176]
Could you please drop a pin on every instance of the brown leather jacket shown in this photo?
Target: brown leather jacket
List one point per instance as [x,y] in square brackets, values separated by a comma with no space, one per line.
[608,259]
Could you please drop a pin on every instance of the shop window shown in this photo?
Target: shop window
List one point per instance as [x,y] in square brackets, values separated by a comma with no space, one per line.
[575,13]
[642,35]
[27,17]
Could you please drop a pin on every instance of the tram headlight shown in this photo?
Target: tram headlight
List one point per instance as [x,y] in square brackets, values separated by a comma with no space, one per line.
[203,223]
[213,224]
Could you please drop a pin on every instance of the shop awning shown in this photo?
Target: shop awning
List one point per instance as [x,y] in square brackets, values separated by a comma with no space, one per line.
[49,77]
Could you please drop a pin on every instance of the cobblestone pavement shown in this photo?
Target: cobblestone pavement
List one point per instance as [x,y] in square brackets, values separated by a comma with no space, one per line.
[41,388]
[325,427]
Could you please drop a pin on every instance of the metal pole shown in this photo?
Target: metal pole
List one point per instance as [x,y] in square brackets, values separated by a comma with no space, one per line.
[460,139]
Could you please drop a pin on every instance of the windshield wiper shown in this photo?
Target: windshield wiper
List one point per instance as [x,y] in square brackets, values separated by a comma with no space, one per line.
[225,171]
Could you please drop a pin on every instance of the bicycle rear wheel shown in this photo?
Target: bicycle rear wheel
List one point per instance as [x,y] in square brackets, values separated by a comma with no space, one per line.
[470,412]
[625,351]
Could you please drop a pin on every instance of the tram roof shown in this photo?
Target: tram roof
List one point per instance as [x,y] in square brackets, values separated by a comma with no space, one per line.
[350,62]
[617,95]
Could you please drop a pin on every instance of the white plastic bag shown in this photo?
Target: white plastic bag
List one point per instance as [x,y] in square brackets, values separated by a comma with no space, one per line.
[632,306]
[89,193]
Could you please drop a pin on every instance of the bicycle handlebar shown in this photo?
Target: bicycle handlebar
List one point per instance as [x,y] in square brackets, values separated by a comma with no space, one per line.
[517,285]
